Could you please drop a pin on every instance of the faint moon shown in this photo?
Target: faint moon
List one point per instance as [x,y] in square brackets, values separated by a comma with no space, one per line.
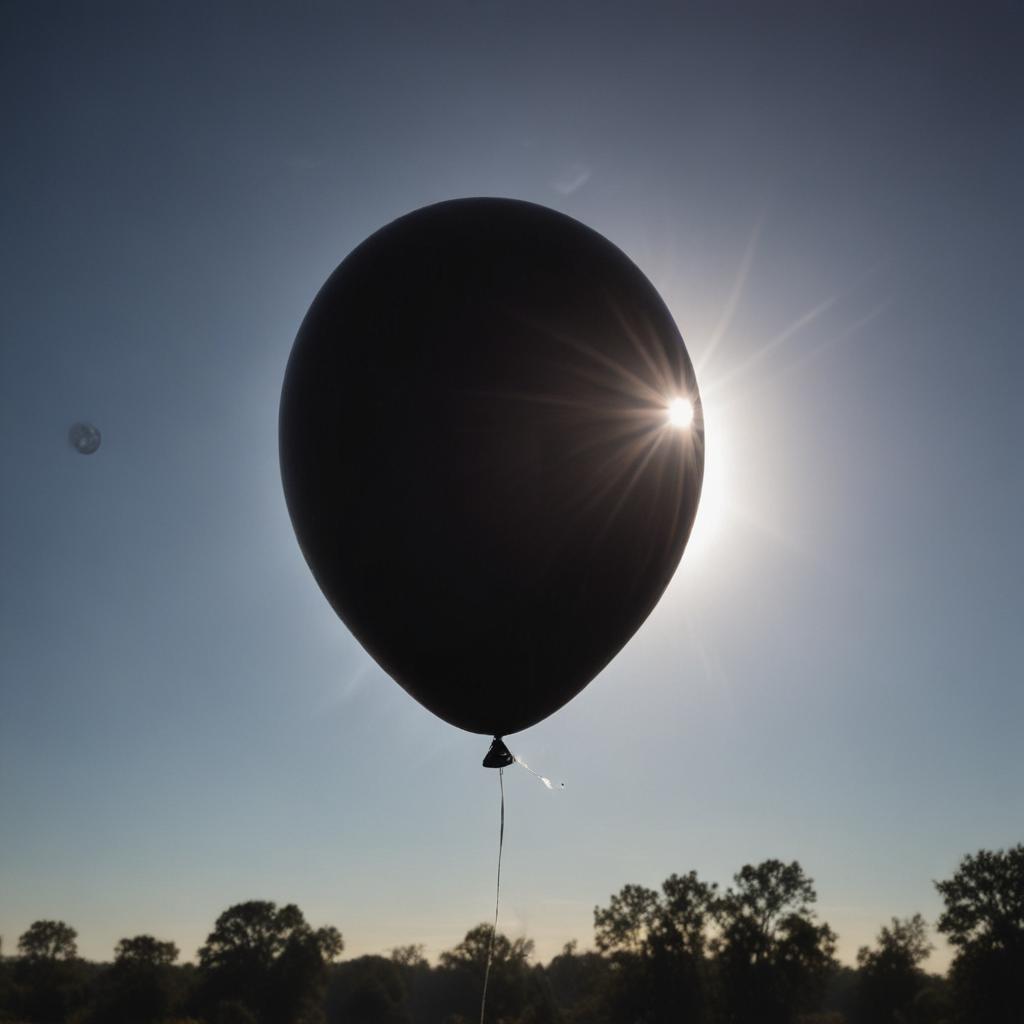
[84,438]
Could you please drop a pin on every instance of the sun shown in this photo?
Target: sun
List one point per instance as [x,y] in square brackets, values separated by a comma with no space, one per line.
[680,412]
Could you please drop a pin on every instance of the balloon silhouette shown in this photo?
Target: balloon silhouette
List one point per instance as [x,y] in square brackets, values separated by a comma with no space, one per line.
[482,454]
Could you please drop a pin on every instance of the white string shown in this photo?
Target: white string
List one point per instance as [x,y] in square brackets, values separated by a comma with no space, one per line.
[497,888]
[547,782]
[497,894]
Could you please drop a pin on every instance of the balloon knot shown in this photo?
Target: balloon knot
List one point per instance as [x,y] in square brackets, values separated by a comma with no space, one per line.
[499,755]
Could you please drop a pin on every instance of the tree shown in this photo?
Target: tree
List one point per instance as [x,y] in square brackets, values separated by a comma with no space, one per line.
[48,942]
[513,991]
[142,985]
[623,926]
[410,956]
[687,908]
[657,943]
[49,975]
[579,985]
[639,920]
[773,959]
[367,990]
[418,980]
[985,901]
[6,986]
[267,959]
[473,952]
[145,951]
[984,920]
[890,976]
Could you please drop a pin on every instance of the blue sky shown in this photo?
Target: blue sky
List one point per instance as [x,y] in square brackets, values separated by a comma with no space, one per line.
[828,199]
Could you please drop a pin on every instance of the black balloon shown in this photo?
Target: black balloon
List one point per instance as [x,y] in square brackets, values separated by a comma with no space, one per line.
[477,455]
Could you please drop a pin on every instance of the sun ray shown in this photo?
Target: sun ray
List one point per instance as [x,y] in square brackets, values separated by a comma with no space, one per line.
[835,341]
[618,466]
[773,343]
[662,371]
[620,379]
[641,466]
[732,303]
[813,353]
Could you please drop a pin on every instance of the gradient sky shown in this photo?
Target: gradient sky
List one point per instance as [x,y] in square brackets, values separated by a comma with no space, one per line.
[828,197]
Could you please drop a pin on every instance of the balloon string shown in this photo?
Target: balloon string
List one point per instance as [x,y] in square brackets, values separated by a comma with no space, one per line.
[497,894]
[537,775]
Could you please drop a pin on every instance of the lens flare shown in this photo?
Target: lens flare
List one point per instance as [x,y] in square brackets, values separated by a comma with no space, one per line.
[680,412]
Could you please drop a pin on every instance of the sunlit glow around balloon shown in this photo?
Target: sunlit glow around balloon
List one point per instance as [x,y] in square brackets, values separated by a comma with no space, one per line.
[714,510]
[680,412]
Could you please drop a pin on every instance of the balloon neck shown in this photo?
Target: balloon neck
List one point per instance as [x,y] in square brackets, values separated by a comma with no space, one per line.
[499,756]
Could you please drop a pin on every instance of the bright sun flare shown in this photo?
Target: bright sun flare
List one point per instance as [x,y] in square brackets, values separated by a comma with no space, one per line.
[680,412]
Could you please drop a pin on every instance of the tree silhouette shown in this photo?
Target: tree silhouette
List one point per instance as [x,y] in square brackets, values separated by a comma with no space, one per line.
[370,990]
[48,942]
[267,959]
[773,959]
[890,976]
[410,956]
[686,952]
[579,985]
[474,950]
[657,943]
[141,986]
[512,988]
[984,920]
[48,976]
[145,951]
[623,926]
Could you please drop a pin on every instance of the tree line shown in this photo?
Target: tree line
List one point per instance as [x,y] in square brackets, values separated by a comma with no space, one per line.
[687,953]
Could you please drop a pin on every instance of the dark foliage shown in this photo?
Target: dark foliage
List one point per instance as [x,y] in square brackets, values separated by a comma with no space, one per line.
[657,944]
[984,921]
[371,989]
[267,960]
[579,983]
[515,992]
[141,987]
[686,953]
[49,980]
[890,975]
[773,958]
